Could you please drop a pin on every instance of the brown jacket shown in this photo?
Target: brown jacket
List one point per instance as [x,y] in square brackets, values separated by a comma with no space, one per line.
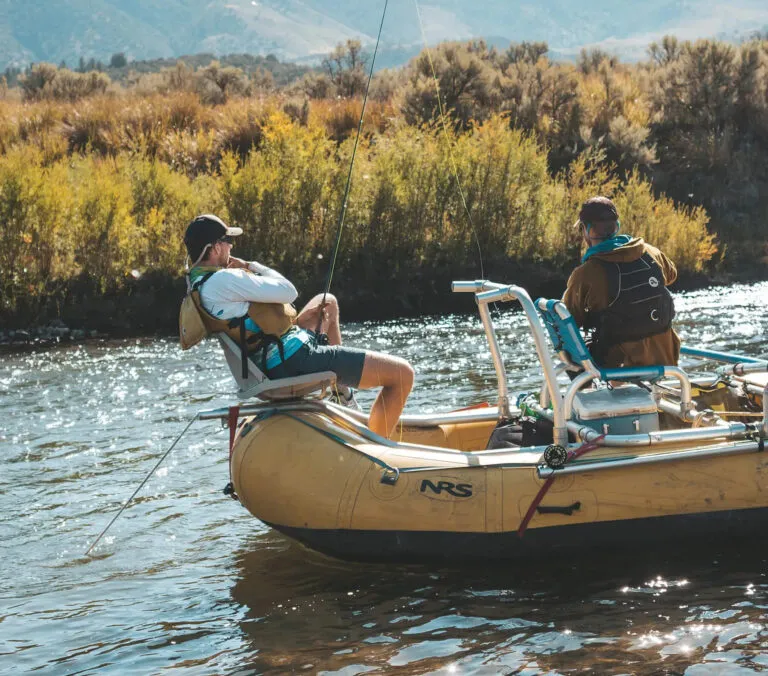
[588,291]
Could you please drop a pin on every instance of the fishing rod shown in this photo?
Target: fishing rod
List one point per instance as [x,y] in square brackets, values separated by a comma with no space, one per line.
[325,293]
[141,485]
[441,110]
[343,211]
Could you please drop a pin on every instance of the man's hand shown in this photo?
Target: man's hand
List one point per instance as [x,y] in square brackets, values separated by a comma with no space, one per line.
[237,263]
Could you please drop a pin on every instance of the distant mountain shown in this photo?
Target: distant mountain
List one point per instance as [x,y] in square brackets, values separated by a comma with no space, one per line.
[65,30]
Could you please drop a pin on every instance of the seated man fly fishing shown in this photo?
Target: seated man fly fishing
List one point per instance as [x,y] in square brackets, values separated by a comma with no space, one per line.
[280,341]
[620,293]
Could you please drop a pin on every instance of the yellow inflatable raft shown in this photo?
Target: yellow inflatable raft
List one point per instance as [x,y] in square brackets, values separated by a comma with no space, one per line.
[661,457]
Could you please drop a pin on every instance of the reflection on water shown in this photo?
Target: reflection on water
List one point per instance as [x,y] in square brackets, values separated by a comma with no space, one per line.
[557,617]
[187,581]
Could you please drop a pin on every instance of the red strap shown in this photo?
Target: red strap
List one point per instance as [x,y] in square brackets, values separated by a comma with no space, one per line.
[581,450]
[234,414]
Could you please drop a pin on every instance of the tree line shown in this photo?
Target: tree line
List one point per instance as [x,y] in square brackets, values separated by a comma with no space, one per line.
[90,170]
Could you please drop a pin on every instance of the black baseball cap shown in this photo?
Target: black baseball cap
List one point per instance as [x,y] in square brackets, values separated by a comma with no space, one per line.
[597,210]
[204,230]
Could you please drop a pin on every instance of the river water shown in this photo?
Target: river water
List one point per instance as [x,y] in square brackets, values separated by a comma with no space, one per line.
[188,582]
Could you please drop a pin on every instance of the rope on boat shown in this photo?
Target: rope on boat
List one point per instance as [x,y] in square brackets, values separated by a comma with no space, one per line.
[232,417]
[385,466]
[581,450]
[141,485]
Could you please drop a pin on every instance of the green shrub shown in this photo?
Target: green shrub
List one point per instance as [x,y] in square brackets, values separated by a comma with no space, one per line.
[105,234]
[45,81]
[240,127]
[163,203]
[35,214]
[103,186]
[681,232]
[280,194]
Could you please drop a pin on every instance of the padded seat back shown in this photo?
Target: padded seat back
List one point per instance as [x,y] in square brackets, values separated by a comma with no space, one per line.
[569,344]
[564,334]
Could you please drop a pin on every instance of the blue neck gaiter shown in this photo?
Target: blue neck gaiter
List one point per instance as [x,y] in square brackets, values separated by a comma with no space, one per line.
[606,245]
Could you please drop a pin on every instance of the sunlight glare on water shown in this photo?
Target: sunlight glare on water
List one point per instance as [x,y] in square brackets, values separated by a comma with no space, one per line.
[188,581]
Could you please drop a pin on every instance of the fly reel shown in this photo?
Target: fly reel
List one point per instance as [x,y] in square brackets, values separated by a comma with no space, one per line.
[555,456]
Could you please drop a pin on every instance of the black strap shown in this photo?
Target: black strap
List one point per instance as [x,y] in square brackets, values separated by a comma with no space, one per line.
[266,341]
[243,349]
[254,343]
[237,322]
[203,279]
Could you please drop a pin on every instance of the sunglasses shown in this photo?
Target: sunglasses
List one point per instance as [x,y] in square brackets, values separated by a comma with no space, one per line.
[226,239]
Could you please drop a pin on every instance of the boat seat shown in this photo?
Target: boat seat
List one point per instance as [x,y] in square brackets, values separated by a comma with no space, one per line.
[570,346]
[258,385]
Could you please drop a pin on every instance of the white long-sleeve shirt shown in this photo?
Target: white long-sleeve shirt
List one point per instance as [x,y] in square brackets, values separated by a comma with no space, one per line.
[227,292]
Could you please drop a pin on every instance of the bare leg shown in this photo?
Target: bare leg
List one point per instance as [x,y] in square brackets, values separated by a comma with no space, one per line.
[392,374]
[310,314]
[395,376]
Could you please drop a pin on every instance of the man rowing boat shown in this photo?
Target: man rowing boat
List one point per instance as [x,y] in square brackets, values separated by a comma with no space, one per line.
[620,293]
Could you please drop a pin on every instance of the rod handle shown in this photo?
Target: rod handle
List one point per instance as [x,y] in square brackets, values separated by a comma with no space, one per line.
[475,286]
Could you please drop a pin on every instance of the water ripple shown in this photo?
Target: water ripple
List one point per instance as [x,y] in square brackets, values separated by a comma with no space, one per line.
[187,581]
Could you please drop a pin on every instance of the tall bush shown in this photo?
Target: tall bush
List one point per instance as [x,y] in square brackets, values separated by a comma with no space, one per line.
[280,194]
[36,211]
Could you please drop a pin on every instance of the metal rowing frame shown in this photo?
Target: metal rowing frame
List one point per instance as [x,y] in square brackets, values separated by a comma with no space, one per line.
[562,404]
[340,417]
[490,292]
[740,437]
[738,366]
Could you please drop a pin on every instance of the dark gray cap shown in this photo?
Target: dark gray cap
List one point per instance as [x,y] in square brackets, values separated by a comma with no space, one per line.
[204,230]
[597,210]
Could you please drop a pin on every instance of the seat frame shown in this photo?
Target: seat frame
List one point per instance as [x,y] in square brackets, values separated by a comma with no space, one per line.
[569,344]
[257,384]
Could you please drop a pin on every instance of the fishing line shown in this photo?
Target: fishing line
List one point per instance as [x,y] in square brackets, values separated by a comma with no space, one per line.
[141,485]
[447,137]
[349,175]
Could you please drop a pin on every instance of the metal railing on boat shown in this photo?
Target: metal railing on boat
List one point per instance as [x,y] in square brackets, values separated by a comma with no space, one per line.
[421,420]
[701,453]
[340,416]
[490,292]
[725,430]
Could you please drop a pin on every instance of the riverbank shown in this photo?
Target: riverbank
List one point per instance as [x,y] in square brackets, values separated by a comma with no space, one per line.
[87,227]
[102,188]
[149,306]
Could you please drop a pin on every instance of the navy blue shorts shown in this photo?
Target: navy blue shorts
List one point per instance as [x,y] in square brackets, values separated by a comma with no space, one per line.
[345,362]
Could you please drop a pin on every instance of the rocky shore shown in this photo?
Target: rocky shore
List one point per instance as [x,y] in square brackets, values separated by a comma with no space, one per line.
[150,306]
[53,333]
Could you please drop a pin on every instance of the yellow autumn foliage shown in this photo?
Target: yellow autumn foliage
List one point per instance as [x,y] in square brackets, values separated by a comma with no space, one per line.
[101,190]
